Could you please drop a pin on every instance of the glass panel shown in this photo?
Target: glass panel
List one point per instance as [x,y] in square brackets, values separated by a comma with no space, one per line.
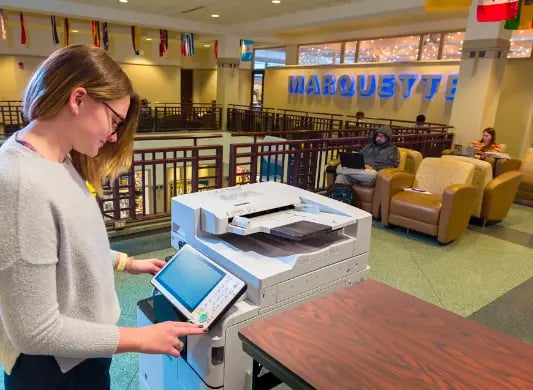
[320,54]
[397,49]
[269,57]
[521,44]
[257,93]
[430,47]
[349,52]
[453,43]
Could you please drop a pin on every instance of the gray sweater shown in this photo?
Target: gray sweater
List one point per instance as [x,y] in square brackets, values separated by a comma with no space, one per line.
[57,293]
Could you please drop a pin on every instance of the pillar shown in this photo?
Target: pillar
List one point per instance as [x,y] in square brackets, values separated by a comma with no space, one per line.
[291,54]
[480,78]
[228,73]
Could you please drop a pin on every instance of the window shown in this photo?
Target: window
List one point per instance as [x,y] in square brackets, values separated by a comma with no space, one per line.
[453,43]
[430,47]
[521,44]
[321,54]
[397,49]
[349,52]
[269,57]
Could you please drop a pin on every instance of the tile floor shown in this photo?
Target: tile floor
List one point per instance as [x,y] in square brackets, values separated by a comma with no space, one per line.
[485,275]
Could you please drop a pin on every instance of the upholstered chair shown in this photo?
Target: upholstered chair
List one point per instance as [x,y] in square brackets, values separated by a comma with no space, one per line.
[525,167]
[442,210]
[494,196]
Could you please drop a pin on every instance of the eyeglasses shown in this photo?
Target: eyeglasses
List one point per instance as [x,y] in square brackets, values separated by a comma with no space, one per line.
[117,126]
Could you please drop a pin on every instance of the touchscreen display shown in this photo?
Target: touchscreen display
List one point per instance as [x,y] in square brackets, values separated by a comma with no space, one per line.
[189,278]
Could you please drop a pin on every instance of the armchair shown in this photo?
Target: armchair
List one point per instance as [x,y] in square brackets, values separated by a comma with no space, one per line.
[494,196]
[525,167]
[444,212]
[368,198]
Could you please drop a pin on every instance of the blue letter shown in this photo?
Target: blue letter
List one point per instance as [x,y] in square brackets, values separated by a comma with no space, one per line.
[364,90]
[408,81]
[434,80]
[296,85]
[451,86]
[328,84]
[386,89]
[313,86]
[346,84]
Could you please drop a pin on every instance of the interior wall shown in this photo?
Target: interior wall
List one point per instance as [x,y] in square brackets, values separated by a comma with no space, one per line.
[514,116]
[245,86]
[438,109]
[205,85]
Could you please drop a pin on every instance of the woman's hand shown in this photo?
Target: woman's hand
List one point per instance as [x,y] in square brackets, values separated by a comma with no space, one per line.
[162,338]
[146,266]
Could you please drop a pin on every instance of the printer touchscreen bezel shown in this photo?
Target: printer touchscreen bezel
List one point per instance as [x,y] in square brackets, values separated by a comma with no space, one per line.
[179,306]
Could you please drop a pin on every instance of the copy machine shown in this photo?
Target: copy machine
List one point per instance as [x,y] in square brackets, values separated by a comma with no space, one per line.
[287,244]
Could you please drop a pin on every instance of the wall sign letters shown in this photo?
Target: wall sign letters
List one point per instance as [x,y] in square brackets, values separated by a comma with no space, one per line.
[385,86]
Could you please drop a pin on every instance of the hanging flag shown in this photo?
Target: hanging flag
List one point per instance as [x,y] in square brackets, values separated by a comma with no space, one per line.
[247,50]
[23,39]
[163,42]
[2,25]
[187,44]
[216,49]
[95,33]
[66,32]
[446,5]
[524,18]
[136,39]
[496,10]
[55,37]
[105,37]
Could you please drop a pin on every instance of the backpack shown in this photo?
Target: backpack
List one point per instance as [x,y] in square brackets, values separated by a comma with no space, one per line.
[340,192]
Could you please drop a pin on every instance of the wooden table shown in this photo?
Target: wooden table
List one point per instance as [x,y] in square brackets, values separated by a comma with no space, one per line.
[372,336]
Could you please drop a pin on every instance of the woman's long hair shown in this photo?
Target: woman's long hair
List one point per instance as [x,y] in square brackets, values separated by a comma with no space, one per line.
[92,68]
[492,133]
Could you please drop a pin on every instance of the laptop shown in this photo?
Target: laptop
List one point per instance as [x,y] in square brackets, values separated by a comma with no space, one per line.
[352,160]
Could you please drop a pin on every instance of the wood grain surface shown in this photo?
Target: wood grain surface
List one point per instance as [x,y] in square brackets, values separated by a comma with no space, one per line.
[372,336]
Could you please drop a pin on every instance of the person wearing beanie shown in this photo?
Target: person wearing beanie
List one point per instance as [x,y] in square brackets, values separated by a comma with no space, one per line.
[378,154]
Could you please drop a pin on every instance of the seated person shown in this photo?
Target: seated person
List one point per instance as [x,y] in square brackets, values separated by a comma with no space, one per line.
[378,154]
[487,143]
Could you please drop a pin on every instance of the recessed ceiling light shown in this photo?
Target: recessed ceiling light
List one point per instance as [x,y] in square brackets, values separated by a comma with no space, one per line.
[148,39]
[215,16]
[276,1]
[206,45]
[74,31]
[123,1]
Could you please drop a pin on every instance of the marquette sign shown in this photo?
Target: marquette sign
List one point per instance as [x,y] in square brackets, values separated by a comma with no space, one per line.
[367,85]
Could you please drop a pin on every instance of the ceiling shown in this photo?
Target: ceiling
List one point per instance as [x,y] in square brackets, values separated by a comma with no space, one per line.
[291,21]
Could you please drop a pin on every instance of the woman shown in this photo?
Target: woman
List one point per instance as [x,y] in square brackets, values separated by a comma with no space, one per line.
[487,143]
[58,305]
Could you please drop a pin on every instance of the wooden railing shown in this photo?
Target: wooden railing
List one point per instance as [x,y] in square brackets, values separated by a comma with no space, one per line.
[11,116]
[196,116]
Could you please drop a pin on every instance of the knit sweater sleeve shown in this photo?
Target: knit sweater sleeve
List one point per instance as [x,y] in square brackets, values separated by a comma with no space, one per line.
[29,305]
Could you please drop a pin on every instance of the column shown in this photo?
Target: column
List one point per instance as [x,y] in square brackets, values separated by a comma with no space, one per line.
[480,78]
[291,57]
[228,73]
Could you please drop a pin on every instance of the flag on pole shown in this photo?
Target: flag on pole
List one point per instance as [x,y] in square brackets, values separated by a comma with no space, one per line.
[136,39]
[66,32]
[2,25]
[215,45]
[105,38]
[496,10]
[187,44]
[95,32]
[524,18]
[247,50]
[55,37]
[446,5]
[23,38]
[163,42]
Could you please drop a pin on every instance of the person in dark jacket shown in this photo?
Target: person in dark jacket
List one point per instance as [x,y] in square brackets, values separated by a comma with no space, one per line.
[378,154]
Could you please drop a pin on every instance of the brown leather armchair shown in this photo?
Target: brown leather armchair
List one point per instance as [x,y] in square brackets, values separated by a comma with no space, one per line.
[444,211]
[494,196]
[525,167]
[368,198]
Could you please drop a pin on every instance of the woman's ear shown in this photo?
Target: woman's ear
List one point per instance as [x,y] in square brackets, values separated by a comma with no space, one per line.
[76,99]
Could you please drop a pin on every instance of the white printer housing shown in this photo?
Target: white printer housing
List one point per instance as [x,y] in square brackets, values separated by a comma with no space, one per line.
[232,227]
